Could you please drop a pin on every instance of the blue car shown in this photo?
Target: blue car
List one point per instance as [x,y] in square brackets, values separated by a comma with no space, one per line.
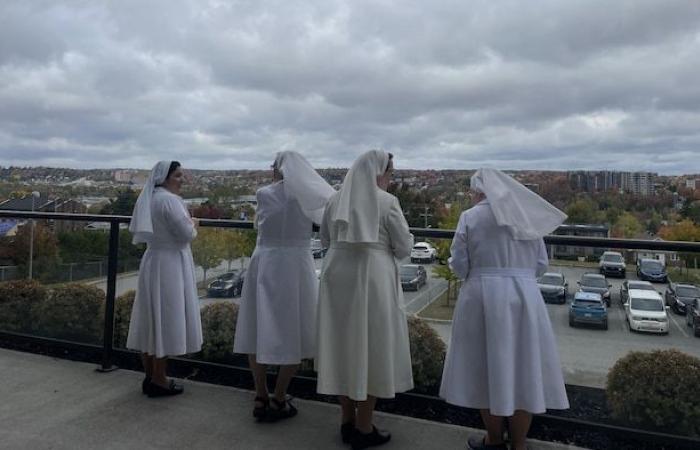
[588,307]
[652,270]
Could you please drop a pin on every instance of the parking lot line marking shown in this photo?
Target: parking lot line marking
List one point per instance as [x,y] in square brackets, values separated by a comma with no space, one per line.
[670,315]
[413,300]
[622,319]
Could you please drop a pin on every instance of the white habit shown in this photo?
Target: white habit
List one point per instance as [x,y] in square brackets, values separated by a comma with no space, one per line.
[165,320]
[363,346]
[502,354]
[277,318]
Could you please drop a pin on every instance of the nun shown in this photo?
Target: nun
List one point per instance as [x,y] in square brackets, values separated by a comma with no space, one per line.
[363,346]
[503,358]
[165,319]
[277,317]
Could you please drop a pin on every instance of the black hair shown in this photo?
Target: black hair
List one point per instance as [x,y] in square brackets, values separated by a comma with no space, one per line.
[388,164]
[173,167]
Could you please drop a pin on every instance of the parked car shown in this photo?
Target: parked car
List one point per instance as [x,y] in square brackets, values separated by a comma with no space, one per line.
[612,264]
[413,277]
[553,287]
[229,284]
[692,316]
[645,311]
[651,270]
[317,249]
[634,284]
[679,296]
[594,282]
[423,252]
[588,307]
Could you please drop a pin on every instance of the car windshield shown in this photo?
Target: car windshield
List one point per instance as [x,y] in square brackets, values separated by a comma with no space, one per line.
[593,282]
[647,304]
[228,276]
[612,258]
[551,279]
[409,271]
[687,291]
[641,286]
[420,247]
[652,265]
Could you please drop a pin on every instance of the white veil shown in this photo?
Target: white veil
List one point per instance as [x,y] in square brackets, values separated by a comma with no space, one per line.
[526,214]
[357,212]
[304,184]
[141,225]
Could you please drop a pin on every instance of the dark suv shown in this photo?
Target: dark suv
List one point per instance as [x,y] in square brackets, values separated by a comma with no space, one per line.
[652,270]
[692,316]
[413,277]
[679,296]
[612,264]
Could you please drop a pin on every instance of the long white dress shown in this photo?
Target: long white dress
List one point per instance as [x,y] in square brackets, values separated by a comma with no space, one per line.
[165,319]
[363,346]
[277,317]
[502,354]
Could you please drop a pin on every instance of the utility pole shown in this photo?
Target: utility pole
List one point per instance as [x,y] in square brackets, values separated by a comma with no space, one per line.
[425,216]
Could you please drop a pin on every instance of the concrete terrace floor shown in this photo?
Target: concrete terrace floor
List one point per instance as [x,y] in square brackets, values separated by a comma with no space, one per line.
[48,403]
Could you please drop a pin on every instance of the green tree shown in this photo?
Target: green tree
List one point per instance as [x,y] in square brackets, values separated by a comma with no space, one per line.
[627,226]
[236,244]
[583,211]
[208,249]
[123,204]
[45,256]
[449,220]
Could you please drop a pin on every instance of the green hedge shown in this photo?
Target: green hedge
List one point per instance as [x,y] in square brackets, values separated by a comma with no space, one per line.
[122,317]
[656,390]
[427,354]
[218,329]
[74,312]
[18,303]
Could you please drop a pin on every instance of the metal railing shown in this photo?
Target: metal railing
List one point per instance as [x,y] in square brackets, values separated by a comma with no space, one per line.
[107,351]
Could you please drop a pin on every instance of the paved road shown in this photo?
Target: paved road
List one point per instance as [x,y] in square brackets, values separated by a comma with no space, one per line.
[587,353]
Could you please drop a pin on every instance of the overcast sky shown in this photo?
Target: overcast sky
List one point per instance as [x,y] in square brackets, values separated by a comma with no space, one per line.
[442,84]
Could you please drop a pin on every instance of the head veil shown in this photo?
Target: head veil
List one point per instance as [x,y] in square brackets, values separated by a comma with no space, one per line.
[304,184]
[141,225]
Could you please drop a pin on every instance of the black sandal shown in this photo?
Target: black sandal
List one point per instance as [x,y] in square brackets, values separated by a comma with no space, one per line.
[280,410]
[145,384]
[347,431]
[259,412]
[361,440]
[155,390]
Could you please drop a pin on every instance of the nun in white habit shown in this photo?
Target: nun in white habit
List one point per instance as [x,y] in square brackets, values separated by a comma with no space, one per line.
[277,318]
[165,319]
[363,346]
[503,358]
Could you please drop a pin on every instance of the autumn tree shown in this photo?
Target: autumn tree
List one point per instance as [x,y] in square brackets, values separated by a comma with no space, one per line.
[208,249]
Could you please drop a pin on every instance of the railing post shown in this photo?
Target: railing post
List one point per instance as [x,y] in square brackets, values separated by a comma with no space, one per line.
[108,339]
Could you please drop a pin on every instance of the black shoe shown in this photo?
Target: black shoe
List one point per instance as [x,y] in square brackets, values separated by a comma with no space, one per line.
[347,430]
[280,410]
[155,390]
[479,443]
[145,385]
[361,440]
[259,412]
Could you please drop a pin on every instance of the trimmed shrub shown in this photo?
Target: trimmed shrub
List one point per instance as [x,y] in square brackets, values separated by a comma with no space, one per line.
[427,354]
[218,329]
[18,301]
[74,312]
[656,390]
[122,317]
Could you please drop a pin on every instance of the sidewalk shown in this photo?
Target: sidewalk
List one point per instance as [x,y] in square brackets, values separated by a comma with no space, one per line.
[56,404]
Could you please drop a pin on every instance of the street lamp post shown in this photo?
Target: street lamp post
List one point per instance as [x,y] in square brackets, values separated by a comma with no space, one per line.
[35,195]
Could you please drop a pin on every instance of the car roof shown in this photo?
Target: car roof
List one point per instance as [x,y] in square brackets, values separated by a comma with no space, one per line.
[644,282]
[421,244]
[553,274]
[580,295]
[591,275]
[649,260]
[640,293]
[410,265]
[612,253]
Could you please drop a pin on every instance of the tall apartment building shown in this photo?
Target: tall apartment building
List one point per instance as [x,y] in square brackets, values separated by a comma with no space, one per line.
[639,183]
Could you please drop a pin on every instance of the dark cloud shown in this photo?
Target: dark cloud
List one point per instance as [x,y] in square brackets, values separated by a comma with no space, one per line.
[552,85]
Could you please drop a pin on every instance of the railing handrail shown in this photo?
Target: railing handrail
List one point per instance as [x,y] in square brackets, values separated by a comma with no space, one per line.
[552,239]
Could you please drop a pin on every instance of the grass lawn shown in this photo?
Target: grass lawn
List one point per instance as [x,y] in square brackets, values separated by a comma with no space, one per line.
[438,309]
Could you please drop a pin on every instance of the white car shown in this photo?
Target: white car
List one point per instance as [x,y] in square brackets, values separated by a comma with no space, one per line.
[423,252]
[646,311]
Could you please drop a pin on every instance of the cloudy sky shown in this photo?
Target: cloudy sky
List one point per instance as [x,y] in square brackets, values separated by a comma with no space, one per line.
[547,84]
